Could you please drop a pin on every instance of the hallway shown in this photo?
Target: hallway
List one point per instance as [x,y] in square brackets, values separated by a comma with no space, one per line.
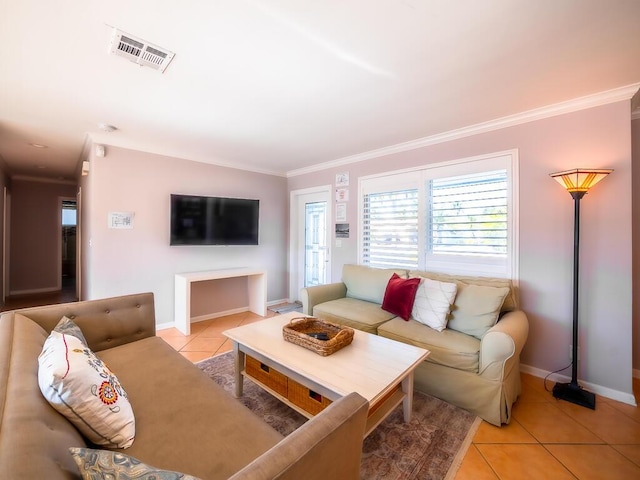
[67,294]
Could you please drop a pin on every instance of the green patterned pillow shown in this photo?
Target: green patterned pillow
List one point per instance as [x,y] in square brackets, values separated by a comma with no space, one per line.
[68,327]
[105,464]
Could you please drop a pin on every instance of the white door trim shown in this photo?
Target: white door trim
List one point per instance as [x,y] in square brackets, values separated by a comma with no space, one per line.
[294,267]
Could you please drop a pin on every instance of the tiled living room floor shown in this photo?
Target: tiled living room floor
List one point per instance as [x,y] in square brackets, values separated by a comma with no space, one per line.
[546,439]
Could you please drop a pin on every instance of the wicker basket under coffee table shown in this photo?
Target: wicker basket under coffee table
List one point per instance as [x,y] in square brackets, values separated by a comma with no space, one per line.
[379,369]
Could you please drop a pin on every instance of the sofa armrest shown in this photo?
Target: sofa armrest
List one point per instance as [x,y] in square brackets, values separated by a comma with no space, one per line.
[502,343]
[327,446]
[312,296]
[105,323]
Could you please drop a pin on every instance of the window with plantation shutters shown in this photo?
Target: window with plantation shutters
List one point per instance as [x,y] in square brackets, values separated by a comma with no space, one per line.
[390,223]
[469,214]
[456,217]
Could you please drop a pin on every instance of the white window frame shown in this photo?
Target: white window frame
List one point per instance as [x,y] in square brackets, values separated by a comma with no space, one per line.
[417,177]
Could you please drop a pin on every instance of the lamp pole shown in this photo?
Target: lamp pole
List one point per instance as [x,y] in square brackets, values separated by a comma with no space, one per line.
[577,196]
[573,392]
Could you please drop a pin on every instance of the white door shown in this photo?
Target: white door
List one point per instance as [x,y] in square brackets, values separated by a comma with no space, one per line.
[310,237]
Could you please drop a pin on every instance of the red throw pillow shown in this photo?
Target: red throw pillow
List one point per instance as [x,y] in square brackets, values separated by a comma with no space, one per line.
[400,295]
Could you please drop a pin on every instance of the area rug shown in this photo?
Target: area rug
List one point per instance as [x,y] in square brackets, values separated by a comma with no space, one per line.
[430,447]
[286,307]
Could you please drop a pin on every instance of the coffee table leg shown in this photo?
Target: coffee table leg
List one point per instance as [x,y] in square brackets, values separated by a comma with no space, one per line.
[407,403]
[238,356]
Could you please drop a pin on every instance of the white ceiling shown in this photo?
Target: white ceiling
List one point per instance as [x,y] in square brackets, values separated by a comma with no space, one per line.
[281,85]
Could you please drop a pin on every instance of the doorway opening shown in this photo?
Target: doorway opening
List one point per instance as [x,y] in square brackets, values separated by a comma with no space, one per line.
[310,255]
[68,257]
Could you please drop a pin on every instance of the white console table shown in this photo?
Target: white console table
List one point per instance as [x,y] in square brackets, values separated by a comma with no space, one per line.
[256,283]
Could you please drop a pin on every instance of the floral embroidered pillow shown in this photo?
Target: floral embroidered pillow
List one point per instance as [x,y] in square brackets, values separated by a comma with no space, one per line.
[83,389]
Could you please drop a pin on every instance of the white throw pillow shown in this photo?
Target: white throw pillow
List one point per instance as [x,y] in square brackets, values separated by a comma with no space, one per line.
[83,389]
[433,303]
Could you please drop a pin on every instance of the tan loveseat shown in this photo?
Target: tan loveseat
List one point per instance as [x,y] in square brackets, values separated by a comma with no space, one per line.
[478,373]
[184,421]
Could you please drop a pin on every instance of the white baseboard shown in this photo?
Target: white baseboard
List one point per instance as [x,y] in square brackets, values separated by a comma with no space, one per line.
[277,302]
[623,397]
[35,290]
[209,316]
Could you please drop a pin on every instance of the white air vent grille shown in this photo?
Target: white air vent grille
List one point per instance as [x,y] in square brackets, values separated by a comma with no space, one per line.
[139,51]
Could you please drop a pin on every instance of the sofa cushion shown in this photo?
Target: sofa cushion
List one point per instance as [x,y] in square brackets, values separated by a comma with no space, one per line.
[177,404]
[400,295]
[365,316]
[510,301]
[83,389]
[448,348]
[367,283]
[97,464]
[476,308]
[433,303]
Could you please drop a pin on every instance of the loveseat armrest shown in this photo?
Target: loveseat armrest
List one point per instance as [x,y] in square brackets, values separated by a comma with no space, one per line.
[503,342]
[327,446]
[312,296]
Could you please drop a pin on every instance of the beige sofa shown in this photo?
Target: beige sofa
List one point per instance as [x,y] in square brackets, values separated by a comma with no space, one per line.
[478,373]
[184,421]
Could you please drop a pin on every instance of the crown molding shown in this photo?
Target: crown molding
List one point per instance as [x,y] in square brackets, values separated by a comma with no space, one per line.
[577,104]
[105,139]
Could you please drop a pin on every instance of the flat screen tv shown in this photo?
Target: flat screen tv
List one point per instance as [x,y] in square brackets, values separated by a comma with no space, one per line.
[197,220]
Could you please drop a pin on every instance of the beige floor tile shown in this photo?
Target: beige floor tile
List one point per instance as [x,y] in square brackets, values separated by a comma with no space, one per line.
[632,452]
[169,332]
[594,462]
[533,390]
[606,422]
[177,342]
[523,462]
[200,344]
[196,356]
[227,346]
[629,410]
[548,424]
[199,327]
[511,433]
[252,317]
[474,467]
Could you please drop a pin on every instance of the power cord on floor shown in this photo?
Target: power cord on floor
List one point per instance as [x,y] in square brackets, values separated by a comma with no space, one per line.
[545,378]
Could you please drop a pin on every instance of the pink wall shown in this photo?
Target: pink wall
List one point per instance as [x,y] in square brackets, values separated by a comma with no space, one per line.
[139,260]
[596,137]
[35,235]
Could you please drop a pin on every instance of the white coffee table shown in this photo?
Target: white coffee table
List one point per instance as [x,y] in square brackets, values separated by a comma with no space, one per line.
[379,369]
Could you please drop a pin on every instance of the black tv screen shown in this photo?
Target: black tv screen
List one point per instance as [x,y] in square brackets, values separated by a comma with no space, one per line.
[197,220]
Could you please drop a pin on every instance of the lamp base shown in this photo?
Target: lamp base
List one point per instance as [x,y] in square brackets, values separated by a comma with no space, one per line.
[574,393]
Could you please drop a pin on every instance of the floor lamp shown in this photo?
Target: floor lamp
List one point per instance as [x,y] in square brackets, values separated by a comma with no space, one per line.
[577,182]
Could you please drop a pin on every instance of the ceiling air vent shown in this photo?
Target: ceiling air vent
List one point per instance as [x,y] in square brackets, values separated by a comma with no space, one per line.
[139,51]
